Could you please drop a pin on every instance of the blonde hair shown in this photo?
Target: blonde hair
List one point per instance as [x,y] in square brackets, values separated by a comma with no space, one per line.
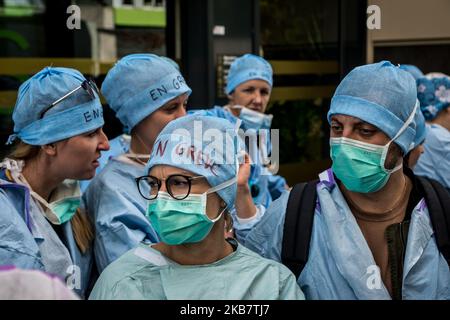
[82,227]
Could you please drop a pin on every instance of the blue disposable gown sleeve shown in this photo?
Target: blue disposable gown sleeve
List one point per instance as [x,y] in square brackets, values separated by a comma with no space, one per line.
[277,185]
[17,244]
[245,227]
[119,221]
[266,236]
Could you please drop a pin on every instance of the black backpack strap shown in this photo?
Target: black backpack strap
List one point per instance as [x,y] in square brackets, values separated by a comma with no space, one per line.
[437,199]
[298,226]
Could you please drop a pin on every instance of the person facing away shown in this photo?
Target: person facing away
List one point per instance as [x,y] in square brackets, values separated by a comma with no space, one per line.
[434,96]
[192,187]
[249,85]
[119,144]
[146,92]
[58,139]
[371,235]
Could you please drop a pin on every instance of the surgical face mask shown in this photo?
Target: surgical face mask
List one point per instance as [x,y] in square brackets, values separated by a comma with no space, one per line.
[63,210]
[361,166]
[57,212]
[183,221]
[255,120]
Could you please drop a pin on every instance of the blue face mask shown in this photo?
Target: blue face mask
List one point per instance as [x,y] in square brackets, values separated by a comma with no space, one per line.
[182,221]
[255,120]
[361,166]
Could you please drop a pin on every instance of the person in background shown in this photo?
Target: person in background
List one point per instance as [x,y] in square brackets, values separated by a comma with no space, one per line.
[434,96]
[146,92]
[118,145]
[249,86]
[412,70]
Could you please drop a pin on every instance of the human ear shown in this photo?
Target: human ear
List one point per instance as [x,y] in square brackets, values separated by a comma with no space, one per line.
[49,149]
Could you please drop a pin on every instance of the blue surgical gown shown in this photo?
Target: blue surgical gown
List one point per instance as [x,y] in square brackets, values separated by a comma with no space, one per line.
[340,261]
[28,241]
[434,163]
[118,211]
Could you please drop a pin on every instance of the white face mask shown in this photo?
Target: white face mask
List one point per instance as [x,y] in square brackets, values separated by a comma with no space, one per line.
[253,119]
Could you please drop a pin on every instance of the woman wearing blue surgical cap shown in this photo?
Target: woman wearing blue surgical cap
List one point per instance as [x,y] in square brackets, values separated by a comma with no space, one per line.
[120,144]
[434,96]
[58,123]
[189,187]
[146,92]
[249,84]
[365,229]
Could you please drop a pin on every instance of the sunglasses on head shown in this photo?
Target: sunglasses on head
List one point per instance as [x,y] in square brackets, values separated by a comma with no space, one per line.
[87,85]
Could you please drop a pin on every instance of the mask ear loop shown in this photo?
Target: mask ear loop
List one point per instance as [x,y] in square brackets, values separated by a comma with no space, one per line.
[399,133]
[219,216]
[221,186]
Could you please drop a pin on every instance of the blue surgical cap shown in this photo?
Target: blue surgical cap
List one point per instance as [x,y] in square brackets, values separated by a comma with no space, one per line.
[413,70]
[77,114]
[248,67]
[421,128]
[139,84]
[434,95]
[380,94]
[171,61]
[204,145]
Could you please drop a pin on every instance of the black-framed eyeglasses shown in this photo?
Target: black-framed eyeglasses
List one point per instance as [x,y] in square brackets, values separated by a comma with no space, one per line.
[177,185]
[87,85]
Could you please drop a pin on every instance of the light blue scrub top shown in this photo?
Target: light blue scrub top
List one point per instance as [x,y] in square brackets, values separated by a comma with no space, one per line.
[340,262]
[270,186]
[145,273]
[28,241]
[434,163]
[118,210]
